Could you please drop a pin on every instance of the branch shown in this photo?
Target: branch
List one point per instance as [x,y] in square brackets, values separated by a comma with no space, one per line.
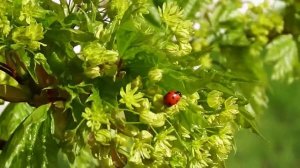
[11,72]
[13,94]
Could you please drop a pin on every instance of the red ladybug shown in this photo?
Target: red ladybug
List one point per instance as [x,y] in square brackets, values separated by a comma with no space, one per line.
[172,98]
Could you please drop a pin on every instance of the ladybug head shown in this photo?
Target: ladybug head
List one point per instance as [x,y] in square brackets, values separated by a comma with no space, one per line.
[179,93]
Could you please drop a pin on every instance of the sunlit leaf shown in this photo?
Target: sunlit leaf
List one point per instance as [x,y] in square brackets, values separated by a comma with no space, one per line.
[11,117]
[32,144]
[283,53]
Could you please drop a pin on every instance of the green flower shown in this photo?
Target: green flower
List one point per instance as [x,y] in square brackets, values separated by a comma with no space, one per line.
[28,36]
[145,136]
[193,98]
[163,147]
[205,62]
[201,156]
[95,118]
[214,99]
[229,114]
[153,119]
[4,25]
[31,10]
[145,105]
[137,82]
[104,136]
[140,151]
[221,145]
[158,100]
[172,16]
[130,97]
[155,75]
[95,54]
[120,6]
[179,158]
[178,50]
[92,72]
[231,106]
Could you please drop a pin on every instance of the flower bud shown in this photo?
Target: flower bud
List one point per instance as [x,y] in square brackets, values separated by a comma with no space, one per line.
[206,62]
[194,98]
[231,106]
[160,120]
[137,82]
[146,135]
[122,139]
[214,99]
[183,34]
[109,69]
[131,130]
[158,100]
[186,48]
[92,72]
[104,136]
[154,89]
[155,120]
[144,105]
[173,49]
[155,75]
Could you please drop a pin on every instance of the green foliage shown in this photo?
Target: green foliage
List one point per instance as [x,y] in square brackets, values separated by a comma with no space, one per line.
[284,53]
[280,126]
[104,104]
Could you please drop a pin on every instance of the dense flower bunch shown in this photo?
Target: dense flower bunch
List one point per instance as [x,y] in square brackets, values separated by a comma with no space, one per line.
[88,79]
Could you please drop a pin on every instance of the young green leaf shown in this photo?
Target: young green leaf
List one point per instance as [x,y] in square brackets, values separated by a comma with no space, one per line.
[13,115]
[32,144]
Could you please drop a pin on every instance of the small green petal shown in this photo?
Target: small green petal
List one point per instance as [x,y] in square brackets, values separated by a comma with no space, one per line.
[136,104]
[128,88]
[139,95]
[134,90]
[122,101]
[122,93]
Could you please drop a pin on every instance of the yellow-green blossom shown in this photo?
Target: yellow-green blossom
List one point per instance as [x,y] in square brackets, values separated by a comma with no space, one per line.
[155,75]
[158,100]
[28,36]
[5,26]
[231,106]
[145,136]
[31,10]
[179,158]
[153,119]
[130,98]
[140,151]
[163,147]
[172,16]
[214,99]
[95,118]
[205,62]
[222,145]
[137,82]
[145,105]
[96,54]
[201,155]
[104,136]
[92,72]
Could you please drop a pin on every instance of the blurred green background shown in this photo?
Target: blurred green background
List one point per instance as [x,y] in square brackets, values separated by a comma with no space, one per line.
[280,125]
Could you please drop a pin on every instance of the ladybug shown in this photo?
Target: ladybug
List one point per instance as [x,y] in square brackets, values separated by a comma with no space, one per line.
[172,98]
